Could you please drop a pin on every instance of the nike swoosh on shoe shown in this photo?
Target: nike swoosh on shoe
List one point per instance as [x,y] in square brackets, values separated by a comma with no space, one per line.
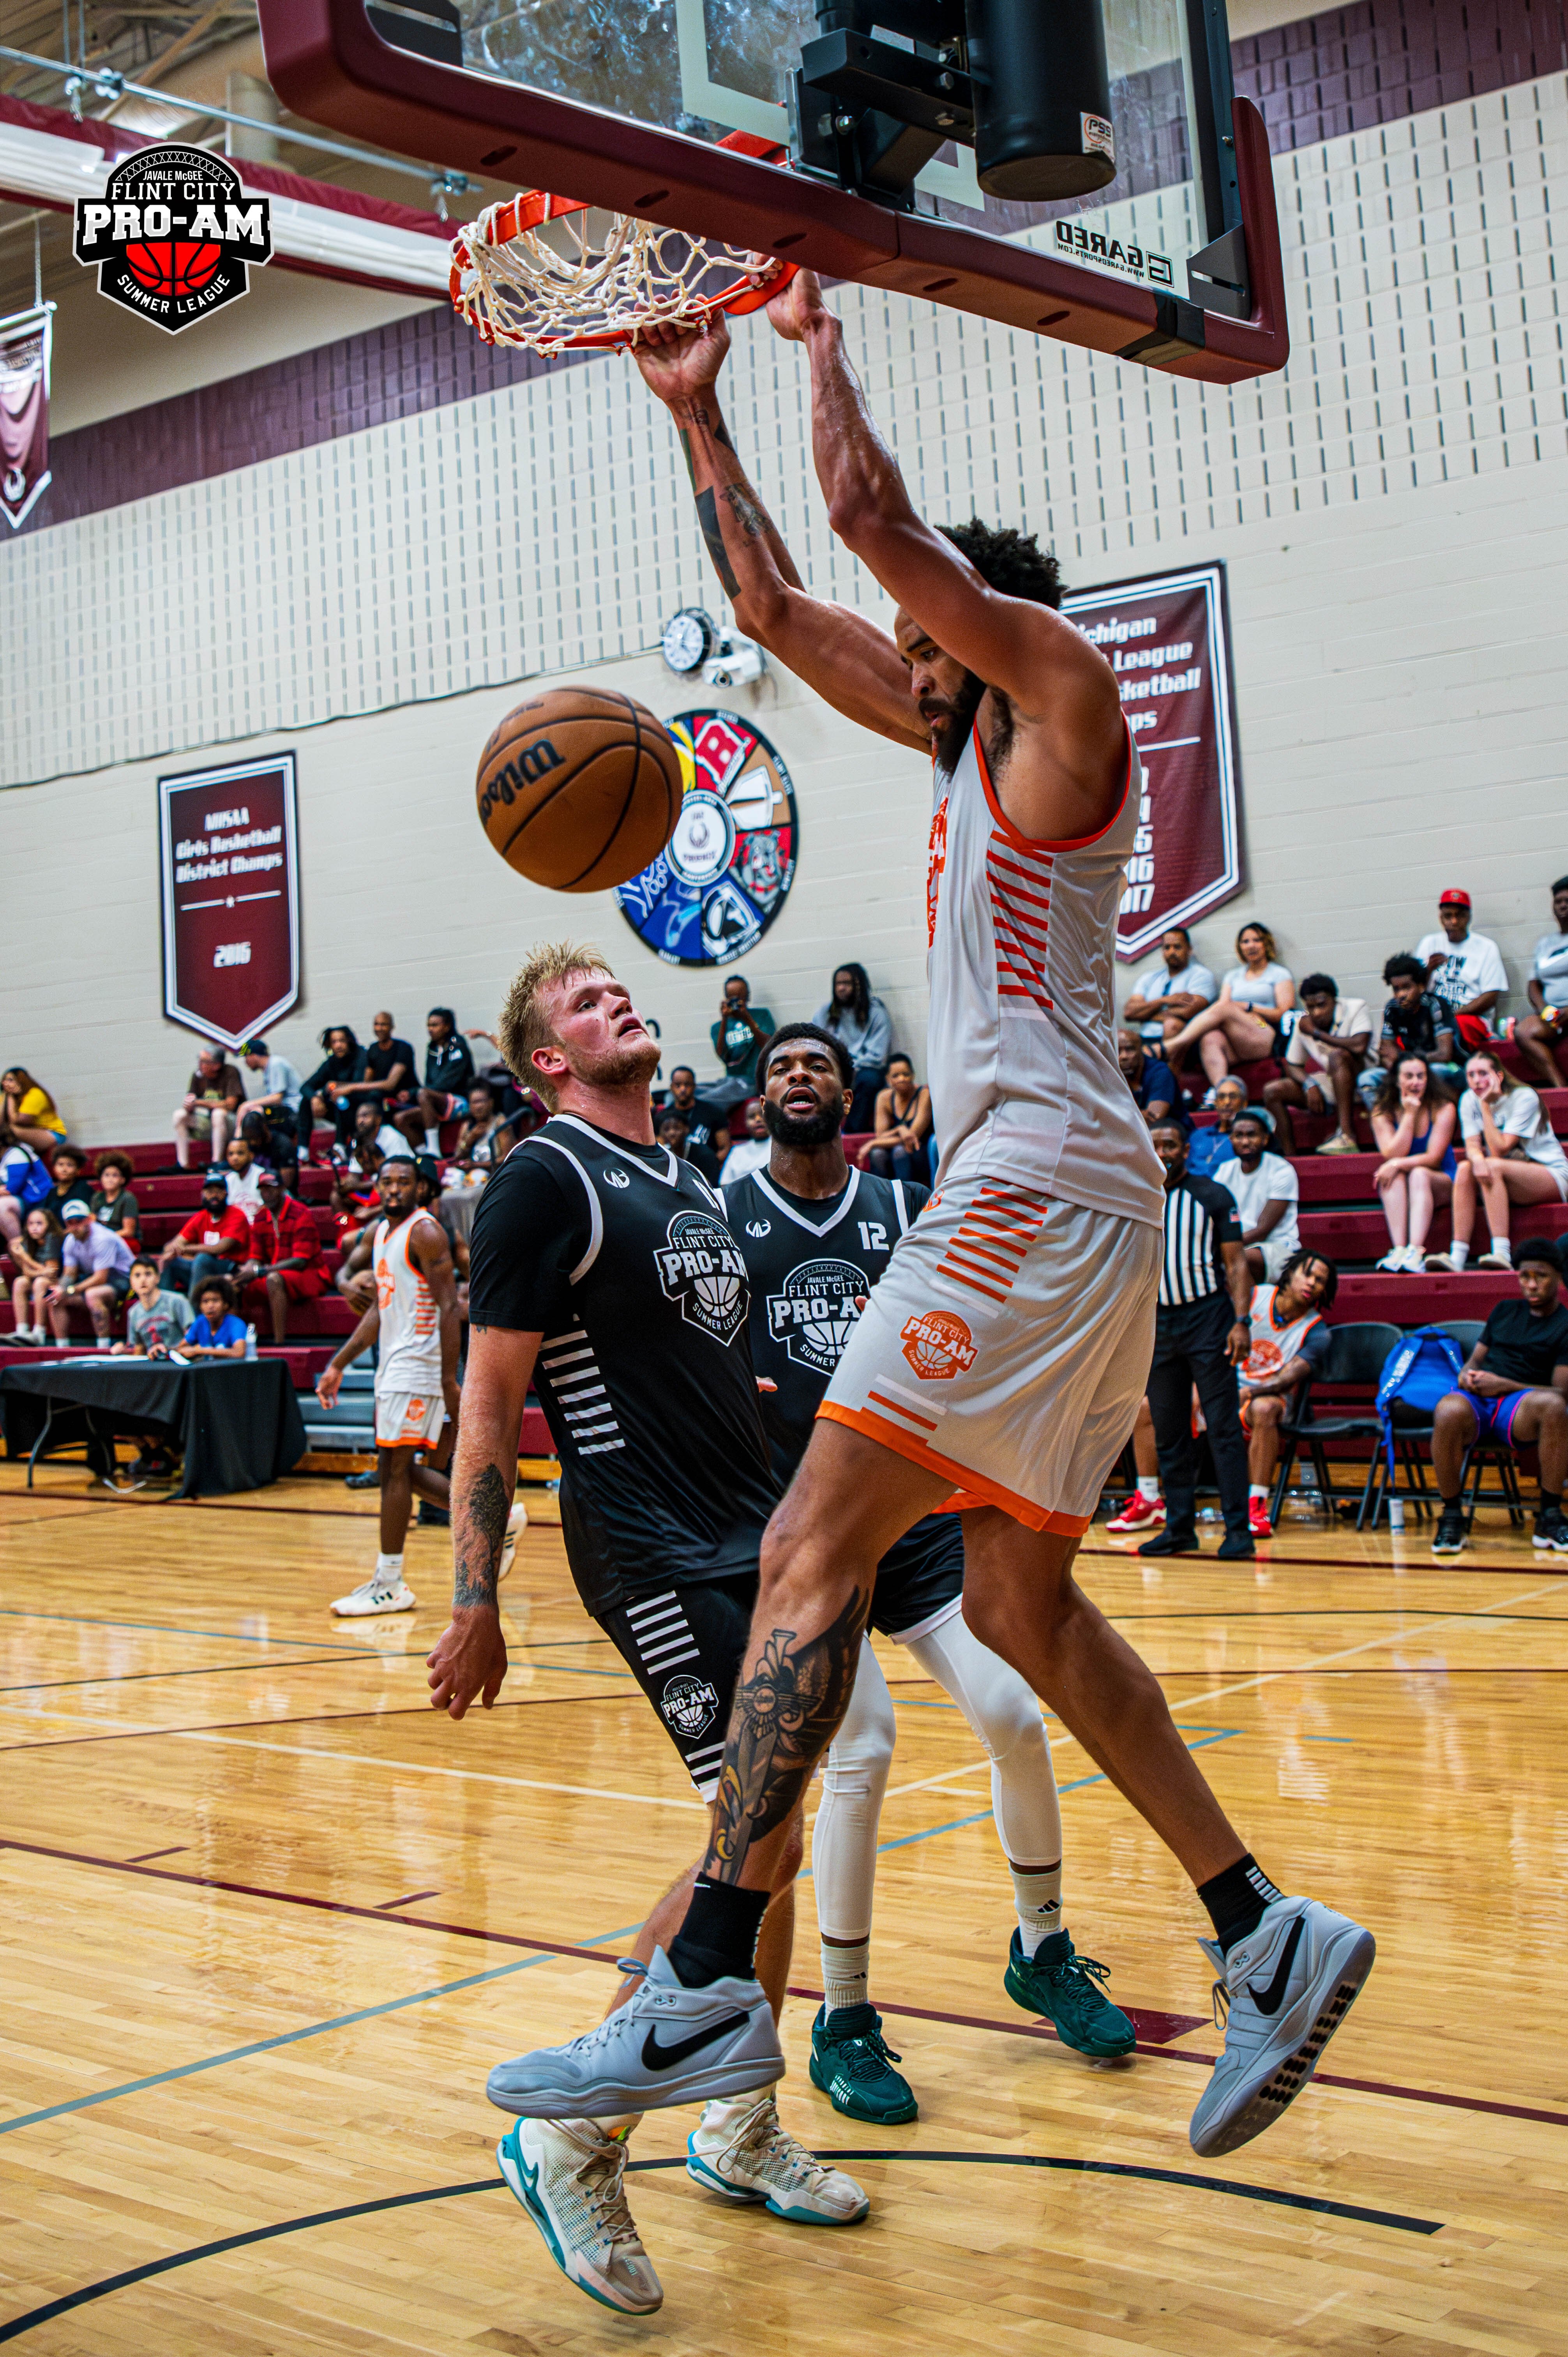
[663,2057]
[1269,2000]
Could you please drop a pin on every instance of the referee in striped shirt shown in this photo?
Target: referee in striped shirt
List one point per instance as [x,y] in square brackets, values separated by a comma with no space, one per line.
[1202,1334]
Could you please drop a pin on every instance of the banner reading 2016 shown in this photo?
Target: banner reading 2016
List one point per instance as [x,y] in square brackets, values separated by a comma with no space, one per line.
[1168,639]
[230,892]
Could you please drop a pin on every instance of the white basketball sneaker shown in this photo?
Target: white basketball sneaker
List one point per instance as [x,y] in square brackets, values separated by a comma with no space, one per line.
[571,2181]
[516,1523]
[755,2158]
[375,1595]
[666,2045]
[1286,1988]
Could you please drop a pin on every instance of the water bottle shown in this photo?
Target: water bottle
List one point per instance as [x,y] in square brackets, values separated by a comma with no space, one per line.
[251,1349]
[1396,1513]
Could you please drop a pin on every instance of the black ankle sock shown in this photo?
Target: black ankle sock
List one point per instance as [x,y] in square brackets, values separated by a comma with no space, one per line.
[718,1937]
[1236,1899]
[1550,1500]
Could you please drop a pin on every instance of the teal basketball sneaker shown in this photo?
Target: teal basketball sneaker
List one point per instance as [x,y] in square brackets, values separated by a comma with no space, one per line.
[851,2062]
[1065,1986]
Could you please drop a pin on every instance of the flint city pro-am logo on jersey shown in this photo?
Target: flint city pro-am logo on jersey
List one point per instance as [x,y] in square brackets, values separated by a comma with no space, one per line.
[701,1268]
[172,235]
[816,1315]
[937,1345]
[690,1704]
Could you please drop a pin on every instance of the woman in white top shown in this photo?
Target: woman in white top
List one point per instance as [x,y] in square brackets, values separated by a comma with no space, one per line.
[1511,1155]
[1413,1120]
[1243,1024]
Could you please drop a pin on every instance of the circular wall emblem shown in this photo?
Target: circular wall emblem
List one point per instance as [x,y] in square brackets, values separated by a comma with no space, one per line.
[712,894]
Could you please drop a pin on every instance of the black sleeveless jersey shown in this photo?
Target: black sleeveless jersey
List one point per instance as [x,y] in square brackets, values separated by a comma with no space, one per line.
[618,1254]
[808,1262]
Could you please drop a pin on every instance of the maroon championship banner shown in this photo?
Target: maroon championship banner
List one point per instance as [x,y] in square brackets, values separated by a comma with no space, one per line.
[1168,639]
[228,842]
[24,410]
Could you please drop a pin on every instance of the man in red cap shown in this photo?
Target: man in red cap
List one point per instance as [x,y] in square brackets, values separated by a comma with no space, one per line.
[1465,970]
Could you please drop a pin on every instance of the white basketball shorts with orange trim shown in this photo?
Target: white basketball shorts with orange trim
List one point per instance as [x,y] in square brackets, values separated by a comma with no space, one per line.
[409,1419]
[1007,1347]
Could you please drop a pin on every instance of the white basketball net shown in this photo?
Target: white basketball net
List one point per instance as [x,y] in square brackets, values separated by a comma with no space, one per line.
[590,284]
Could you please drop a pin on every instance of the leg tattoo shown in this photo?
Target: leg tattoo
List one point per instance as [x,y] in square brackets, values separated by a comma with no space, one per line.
[785,1714]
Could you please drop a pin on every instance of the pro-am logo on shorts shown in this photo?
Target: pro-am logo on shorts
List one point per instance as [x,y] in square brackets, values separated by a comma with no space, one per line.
[938,1346]
[816,1315]
[690,1704]
[172,235]
[700,1266]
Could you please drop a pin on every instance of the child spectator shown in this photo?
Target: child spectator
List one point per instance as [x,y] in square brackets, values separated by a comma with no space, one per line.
[271,1119]
[36,1253]
[286,1263]
[113,1205]
[1243,1026]
[863,1024]
[1266,1192]
[1416,1022]
[1511,1155]
[1323,1062]
[156,1321]
[672,1132]
[900,1147]
[95,1268]
[207,1113]
[1208,1149]
[752,1152]
[1465,970]
[324,1092]
[243,1175]
[1538,1033]
[736,1037]
[29,1114]
[213,1241]
[1153,1084]
[215,1332]
[1413,1120]
[448,1074]
[1171,993]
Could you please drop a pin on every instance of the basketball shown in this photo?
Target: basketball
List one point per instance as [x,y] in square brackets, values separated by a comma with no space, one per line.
[579,788]
[174,266]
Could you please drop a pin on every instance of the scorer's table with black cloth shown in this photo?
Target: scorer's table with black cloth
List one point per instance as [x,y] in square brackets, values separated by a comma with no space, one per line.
[237,1420]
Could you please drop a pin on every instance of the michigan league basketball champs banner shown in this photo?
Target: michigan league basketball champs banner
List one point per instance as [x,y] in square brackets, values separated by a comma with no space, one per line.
[1168,639]
[229,840]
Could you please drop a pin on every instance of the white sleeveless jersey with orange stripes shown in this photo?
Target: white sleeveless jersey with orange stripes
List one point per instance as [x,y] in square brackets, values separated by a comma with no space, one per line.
[1021,1053]
[410,1336]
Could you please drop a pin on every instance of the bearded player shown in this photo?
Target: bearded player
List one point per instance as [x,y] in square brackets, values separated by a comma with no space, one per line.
[998,1367]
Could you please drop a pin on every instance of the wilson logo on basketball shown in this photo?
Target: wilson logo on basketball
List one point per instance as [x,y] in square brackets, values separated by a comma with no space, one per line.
[701,1268]
[938,1346]
[172,235]
[525,768]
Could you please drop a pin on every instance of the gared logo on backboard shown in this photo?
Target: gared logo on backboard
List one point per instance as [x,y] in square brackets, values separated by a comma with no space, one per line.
[938,1346]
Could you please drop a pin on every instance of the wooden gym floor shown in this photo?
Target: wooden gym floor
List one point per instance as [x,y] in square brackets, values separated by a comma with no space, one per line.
[268,1923]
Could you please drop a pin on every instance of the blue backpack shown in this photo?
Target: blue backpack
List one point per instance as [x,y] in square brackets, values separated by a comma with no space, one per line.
[27,1176]
[1418,1372]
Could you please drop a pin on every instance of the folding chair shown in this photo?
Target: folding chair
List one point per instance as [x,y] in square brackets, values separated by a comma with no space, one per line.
[1356,1355]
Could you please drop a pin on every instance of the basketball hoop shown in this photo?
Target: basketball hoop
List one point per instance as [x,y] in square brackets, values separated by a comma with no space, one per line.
[605,277]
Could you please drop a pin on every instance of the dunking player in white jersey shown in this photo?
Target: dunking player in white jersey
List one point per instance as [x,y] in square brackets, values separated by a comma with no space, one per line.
[1001,1359]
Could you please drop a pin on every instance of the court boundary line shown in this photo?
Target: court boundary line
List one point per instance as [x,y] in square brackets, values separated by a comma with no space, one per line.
[1313,2204]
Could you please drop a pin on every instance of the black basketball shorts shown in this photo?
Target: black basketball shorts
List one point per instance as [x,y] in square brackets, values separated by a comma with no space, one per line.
[686,1648]
[919,1580]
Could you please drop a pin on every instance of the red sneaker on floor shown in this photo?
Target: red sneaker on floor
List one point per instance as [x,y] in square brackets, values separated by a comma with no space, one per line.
[1138,1514]
[1258,1518]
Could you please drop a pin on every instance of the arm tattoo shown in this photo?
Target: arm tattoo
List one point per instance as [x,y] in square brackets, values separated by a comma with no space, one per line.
[479,1560]
[708,517]
[785,1714]
[747,514]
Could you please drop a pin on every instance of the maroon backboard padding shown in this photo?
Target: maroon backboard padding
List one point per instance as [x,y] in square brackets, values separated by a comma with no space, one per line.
[329,66]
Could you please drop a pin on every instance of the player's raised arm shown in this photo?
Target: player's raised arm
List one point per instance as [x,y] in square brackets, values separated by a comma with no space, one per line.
[843,656]
[1062,689]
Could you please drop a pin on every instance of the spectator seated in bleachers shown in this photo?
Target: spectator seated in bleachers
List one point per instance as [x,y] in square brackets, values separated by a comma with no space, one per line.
[901,1141]
[36,1183]
[1462,969]
[672,1130]
[157,1322]
[284,1264]
[448,1074]
[522,1110]
[95,1269]
[483,1143]
[1208,1146]
[736,1037]
[1416,1022]
[215,1332]
[1170,993]
[1323,1062]
[1266,1192]
[213,1241]
[1414,1120]
[1512,1394]
[704,1128]
[113,1205]
[206,1115]
[243,1176]
[1290,1342]
[1511,1155]
[1538,1034]
[752,1152]
[370,1140]
[389,1080]
[1243,1025]
[36,1254]
[29,1114]
[854,1015]
[1156,1089]
[325,1097]
[270,1120]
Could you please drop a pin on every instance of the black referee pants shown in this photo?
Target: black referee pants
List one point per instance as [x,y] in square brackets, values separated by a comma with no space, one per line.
[1190,1348]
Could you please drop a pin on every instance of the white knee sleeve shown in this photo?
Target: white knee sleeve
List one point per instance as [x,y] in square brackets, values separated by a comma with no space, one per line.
[855,1778]
[1002,1708]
